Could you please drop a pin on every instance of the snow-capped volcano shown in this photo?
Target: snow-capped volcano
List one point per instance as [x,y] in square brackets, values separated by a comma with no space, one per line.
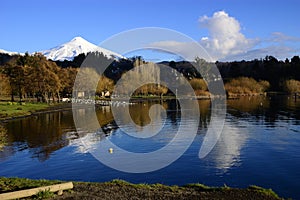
[76,46]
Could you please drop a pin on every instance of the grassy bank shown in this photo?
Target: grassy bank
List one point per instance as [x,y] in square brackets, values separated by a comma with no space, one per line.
[119,189]
[10,110]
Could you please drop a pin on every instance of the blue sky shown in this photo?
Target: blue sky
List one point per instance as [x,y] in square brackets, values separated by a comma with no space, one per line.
[263,27]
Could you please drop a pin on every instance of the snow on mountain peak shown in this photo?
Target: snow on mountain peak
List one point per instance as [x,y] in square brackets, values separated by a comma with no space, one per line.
[9,52]
[76,46]
[78,38]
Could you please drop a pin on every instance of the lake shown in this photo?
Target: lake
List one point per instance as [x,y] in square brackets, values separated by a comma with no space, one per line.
[259,145]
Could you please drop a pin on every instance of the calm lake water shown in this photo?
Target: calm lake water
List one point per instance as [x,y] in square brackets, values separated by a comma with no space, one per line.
[259,145]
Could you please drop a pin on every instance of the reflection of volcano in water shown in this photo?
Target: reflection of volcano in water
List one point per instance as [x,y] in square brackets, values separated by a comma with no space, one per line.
[227,152]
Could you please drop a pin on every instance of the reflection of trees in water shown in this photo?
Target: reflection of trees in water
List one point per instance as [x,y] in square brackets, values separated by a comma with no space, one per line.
[40,134]
[205,113]
[266,110]
[282,107]
[43,134]
[140,112]
[173,112]
[249,104]
[204,108]
[293,106]
[3,135]
[46,133]
[104,115]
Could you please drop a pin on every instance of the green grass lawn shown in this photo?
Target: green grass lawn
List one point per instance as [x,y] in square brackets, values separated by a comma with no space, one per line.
[14,109]
[15,184]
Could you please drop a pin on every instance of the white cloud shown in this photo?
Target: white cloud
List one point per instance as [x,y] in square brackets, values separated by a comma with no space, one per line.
[278,51]
[226,42]
[277,44]
[281,37]
[186,50]
[227,151]
[225,37]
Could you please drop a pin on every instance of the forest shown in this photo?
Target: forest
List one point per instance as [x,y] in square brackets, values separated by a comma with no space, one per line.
[34,77]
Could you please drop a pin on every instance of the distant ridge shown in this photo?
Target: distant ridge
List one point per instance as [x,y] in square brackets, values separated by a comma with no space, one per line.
[10,52]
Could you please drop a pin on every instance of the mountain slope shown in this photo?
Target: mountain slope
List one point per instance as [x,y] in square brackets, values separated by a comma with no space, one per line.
[9,52]
[76,46]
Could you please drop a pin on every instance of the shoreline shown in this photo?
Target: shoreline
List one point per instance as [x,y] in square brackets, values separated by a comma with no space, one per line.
[68,105]
[120,189]
[49,109]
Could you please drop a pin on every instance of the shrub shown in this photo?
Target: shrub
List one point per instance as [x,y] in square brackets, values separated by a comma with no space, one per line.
[265,85]
[44,194]
[292,86]
[198,84]
[151,89]
[244,85]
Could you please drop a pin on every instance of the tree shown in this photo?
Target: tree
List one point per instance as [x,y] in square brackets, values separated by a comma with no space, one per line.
[45,82]
[16,71]
[105,84]
[86,81]
[5,88]
[295,64]
[198,84]
[67,78]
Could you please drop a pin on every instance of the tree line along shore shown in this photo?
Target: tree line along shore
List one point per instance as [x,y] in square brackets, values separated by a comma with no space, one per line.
[33,77]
